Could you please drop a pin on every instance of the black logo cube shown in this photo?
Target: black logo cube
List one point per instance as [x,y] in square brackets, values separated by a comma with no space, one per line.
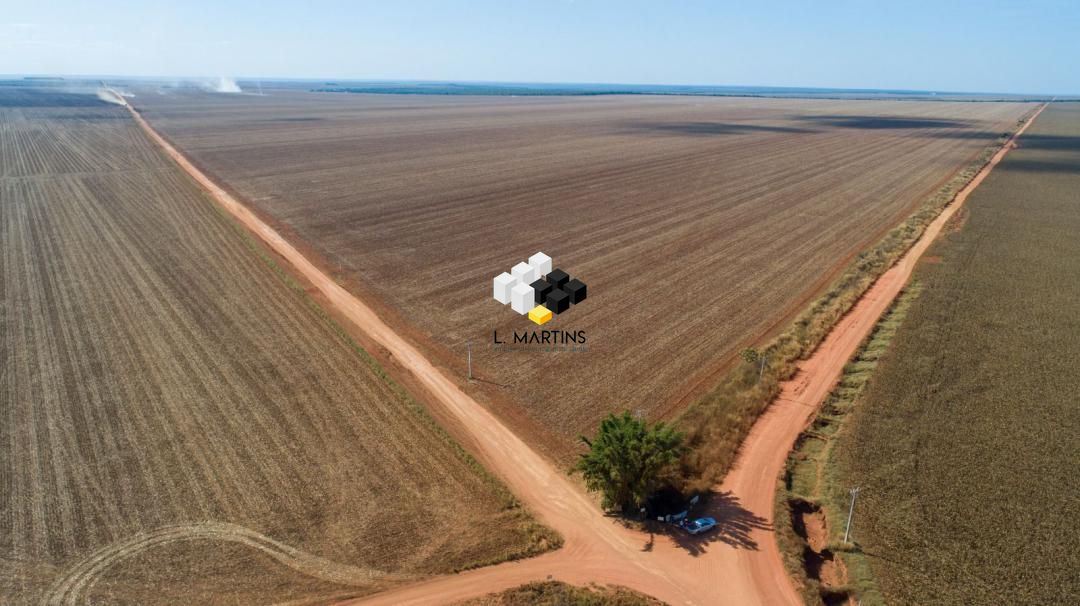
[541,288]
[576,290]
[558,278]
[557,301]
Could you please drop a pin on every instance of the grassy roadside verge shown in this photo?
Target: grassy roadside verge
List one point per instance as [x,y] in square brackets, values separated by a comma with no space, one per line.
[809,488]
[718,422]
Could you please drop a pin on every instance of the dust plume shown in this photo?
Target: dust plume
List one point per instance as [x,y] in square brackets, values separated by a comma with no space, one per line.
[226,85]
[109,96]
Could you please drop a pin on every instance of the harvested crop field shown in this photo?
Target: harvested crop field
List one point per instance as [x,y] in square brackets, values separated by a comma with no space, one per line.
[966,440]
[181,424]
[699,224]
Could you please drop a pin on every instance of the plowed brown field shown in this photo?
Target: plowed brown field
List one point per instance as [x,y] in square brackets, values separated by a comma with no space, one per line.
[699,224]
[178,422]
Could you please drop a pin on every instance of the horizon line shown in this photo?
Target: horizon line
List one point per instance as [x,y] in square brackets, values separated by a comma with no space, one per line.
[853,89]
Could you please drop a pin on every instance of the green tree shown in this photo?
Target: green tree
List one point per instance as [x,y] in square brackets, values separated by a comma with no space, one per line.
[627,459]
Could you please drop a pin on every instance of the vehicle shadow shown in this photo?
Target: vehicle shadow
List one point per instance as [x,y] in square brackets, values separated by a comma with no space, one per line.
[735,526]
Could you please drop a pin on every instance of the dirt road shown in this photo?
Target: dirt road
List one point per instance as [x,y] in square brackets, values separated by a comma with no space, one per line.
[737,564]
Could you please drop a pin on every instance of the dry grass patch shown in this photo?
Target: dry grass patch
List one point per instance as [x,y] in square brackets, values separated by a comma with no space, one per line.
[555,593]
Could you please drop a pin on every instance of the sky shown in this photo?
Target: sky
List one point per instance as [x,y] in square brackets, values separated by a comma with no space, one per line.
[969,46]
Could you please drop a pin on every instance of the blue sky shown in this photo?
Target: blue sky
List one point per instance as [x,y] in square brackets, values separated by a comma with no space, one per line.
[987,45]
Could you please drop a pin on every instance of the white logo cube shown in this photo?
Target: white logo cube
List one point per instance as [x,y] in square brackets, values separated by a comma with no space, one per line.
[541,263]
[522,298]
[504,282]
[524,273]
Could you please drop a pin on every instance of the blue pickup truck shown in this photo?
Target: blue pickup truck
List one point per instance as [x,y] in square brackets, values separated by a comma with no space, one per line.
[699,525]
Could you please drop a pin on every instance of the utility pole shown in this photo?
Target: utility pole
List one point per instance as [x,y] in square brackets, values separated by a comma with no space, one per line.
[761,372]
[854,492]
[469,345]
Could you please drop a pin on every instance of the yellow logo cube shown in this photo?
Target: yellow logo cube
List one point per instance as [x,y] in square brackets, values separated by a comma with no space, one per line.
[540,314]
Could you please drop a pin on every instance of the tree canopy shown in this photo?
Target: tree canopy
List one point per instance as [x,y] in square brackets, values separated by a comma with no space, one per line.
[627,458]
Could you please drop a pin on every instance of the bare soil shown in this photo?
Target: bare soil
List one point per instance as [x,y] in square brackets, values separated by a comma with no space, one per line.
[181,424]
[699,224]
[740,560]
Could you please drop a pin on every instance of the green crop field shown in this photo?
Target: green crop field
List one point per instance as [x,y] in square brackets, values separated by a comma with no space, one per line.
[179,423]
[967,438]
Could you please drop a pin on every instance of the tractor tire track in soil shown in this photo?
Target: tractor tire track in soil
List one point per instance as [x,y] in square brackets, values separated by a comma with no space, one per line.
[738,564]
[78,582]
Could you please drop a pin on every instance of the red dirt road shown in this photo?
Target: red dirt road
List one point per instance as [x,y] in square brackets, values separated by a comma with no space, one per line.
[738,564]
